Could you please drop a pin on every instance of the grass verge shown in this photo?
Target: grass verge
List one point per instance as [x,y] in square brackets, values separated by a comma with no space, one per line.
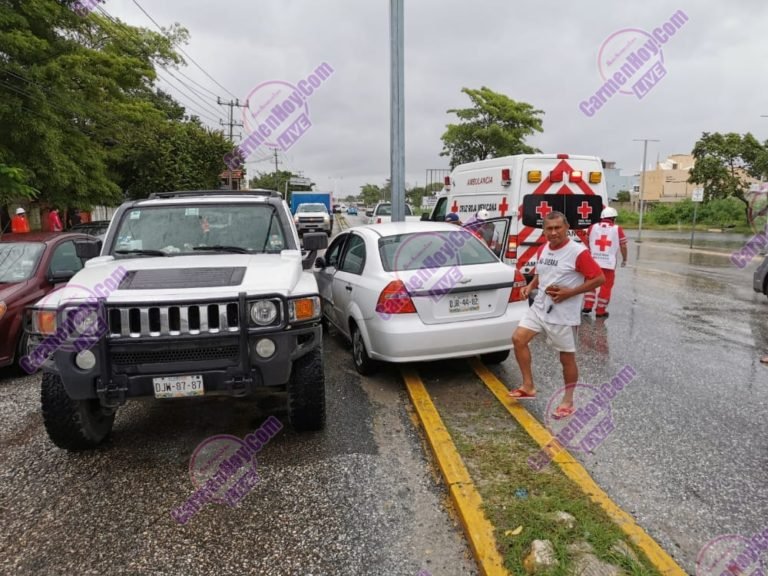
[495,450]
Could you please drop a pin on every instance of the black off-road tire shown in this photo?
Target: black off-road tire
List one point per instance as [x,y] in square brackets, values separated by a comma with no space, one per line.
[494,357]
[306,392]
[363,363]
[72,424]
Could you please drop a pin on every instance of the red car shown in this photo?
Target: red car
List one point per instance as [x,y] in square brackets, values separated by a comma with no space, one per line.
[31,266]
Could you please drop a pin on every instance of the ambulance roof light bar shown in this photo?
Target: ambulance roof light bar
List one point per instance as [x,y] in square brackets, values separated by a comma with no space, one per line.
[562,156]
[447,182]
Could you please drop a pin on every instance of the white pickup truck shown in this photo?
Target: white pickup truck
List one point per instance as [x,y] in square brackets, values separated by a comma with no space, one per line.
[383,213]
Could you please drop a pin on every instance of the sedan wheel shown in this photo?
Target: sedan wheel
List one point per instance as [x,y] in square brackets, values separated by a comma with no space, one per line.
[363,363]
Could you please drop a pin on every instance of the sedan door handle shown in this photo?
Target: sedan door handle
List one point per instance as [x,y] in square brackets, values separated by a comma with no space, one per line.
[348,288]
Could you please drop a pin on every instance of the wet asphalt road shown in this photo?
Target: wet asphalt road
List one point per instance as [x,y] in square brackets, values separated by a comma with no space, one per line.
[358,498]
[687,458]
[689,454]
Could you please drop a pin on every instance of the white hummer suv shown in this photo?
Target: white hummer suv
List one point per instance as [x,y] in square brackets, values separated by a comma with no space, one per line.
[191,294]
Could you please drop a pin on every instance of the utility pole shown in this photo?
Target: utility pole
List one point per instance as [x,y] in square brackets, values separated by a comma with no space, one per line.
[397,110]
[642,184]
[277,174]
[231,124]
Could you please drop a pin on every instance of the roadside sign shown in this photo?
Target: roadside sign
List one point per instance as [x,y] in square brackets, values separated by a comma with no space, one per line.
[296,181]
[697,195]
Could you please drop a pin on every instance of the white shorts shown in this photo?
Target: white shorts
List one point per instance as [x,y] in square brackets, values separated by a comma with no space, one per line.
[563,338]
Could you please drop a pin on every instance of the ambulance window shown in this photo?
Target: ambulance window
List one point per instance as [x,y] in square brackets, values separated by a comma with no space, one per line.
[439,214]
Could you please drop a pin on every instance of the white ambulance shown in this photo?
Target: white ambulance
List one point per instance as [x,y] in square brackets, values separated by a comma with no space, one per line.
[518,191]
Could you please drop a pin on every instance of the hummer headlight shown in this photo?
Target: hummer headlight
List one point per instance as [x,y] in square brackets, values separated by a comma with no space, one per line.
[263,312]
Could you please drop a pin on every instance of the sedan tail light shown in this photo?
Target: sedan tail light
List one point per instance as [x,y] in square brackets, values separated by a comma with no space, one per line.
[394,299]
[511,251]
[514,295]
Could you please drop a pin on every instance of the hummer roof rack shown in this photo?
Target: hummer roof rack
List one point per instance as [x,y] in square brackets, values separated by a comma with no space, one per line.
[184,193]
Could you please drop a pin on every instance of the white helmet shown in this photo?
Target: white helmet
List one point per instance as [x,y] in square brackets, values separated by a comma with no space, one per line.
[483,214]
[20,211]
[609,213]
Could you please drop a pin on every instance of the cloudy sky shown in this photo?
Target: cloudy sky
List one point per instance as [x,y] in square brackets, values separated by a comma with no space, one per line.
[544,52]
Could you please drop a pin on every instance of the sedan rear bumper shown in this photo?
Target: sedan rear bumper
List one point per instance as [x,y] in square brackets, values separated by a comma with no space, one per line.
[405,338]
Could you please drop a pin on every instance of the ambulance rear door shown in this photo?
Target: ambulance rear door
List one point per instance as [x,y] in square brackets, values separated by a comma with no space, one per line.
[561,174]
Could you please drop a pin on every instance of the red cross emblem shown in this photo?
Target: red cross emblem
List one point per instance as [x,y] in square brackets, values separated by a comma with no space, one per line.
[585,209]
[543,209]
[455,207]
[503,206]
[603,242]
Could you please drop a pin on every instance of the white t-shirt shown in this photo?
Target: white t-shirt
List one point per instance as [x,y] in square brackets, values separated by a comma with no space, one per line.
[605,238]
[568,266]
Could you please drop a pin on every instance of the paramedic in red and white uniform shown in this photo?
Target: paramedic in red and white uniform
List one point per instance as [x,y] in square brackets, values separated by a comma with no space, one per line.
[564,271]
[605,241]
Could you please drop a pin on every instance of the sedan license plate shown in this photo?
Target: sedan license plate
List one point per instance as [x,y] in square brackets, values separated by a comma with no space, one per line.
[178,386]
[463,303]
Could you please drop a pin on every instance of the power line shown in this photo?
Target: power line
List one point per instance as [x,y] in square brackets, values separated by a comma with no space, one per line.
[180,49]
[209,106]
[125,33]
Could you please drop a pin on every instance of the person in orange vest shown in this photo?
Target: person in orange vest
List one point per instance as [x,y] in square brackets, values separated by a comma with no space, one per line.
[19,223]
[54,222]
[606,239]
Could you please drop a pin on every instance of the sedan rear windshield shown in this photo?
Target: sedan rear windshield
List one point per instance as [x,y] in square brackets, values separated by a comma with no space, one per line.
[18,260]
[433,250]
[386,210]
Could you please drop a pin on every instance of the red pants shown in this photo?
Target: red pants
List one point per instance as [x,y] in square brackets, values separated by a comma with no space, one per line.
[603,293]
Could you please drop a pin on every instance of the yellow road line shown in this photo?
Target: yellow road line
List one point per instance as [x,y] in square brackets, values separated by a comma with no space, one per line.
[465,497]
[576,472]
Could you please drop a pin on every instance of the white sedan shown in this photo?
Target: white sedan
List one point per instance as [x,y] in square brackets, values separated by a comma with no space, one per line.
[419,291]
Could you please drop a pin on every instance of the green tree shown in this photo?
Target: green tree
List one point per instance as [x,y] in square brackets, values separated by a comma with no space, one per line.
[79,112]
[277,181]
[371,194]
[726,162]
[495,126]
[13,185]
[623,196]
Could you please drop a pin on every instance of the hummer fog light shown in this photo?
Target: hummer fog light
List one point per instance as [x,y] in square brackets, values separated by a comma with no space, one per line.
[263,312]
[85,360]
[265,347]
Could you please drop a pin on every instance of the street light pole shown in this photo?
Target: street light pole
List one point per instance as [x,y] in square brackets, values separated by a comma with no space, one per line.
[397,109]
[642,184]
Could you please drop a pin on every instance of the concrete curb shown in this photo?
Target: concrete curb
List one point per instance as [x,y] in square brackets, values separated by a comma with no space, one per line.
[465,497]
[663,562]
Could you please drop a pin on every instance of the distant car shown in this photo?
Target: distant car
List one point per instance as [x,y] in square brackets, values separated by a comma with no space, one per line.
[413,291]
[31,266]
[336,209]
[96,228]
[352,211]
[313,217]
[760,279]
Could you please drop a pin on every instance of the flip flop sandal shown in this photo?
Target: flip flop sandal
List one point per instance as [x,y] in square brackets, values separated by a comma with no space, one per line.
[520,394]
[563,412]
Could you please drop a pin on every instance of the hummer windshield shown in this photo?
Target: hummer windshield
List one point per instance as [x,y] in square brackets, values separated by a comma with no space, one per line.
[173,230]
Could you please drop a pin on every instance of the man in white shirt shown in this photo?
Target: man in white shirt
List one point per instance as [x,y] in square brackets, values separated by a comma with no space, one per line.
[564,271]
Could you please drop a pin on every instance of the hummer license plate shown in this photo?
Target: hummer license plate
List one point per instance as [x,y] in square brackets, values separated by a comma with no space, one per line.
[178,386]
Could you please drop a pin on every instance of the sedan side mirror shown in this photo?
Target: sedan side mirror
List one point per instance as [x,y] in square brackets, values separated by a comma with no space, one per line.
[320,262]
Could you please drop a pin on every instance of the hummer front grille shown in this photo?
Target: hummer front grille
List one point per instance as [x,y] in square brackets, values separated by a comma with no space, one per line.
[181,320]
